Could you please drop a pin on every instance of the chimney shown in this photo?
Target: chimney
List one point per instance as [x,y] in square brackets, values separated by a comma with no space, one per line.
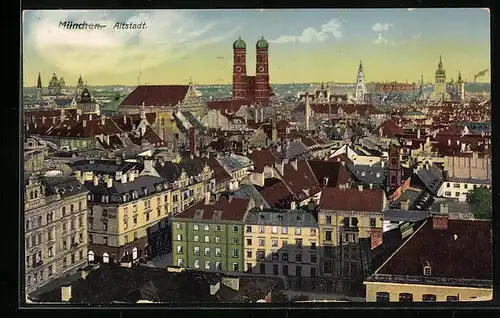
[77,118]
[405,205]
[43,119]
[418,133]
[207,198]
[90,117]
[118,175]
[371,185]
[148,165]
[230,198]
[440,221]
[462,147]
[311,205]
[131,176]
[84,123]
[103,120]
[96,181]
[107,139]
[376,237]
[124,119]
[382,163]
[123,178]
[360,187]
[293,205]
[294,164]
[118,161]
[66,293]
[109,182]
[256,113]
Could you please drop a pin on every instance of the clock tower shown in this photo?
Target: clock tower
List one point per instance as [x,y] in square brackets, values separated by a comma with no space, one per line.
[239,70]
[262,72]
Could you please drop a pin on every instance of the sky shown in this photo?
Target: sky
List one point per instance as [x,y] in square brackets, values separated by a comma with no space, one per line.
[310,45]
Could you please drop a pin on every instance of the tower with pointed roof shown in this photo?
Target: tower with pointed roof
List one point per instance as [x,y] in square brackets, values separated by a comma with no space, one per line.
[262,71]
[461,86]
[80,86]
[39,88]
[440,93]
[360,84]
[239,70]
[54,86]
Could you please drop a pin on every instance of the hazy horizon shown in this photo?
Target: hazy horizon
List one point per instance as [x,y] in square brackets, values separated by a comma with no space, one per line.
[321,45]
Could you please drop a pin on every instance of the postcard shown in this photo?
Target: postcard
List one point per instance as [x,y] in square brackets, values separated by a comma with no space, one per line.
[224,157]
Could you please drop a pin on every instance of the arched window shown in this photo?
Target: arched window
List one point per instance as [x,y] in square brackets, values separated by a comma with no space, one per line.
[105,258]
[36,194]
[383,297]
[48,217]
[134,253]
[63,211]
[79,205]
[90,256]
[39,220]
[31,195]
[71,208]
[27,224]
[405,297]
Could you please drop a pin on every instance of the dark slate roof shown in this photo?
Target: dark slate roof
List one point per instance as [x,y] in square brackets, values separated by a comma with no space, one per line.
[168,170]
[220,173]
[287,218]
[402,215]
[232,209]
[463,251]
[248,191]
[262,158]
[63,102]
[111,283]
[104,166]
[432,178]
[66,186]
[156,95]
[367,174]
[193,166]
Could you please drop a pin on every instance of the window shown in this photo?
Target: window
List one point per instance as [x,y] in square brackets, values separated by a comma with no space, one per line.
[354,222]
[207,251]
[382,297]
[428,297]
[284,257]
[134,208]
[207,239]
[405,297]
[105,226]
[73,258]
[261,229]
[196,263]
[196,238]
[147,216]
[180,262]
[465,186]
[427,271]
[373,222]
[65,247]
[298,271]
[179,237]
[197,250]
[312,232]
[39,221]
[248,229]
[135,219]
[50,271]
[274,230]
[451,298]
[298,243]
[261,242]
[63,211]
[217,239]
[249,241]
[218,266]
[297,231]
[298,257]
[284,243]
[261,255]
[207,228]
[135,236]
[80,238]
[179,226]
[235,229]
[217,251]
[195,227]
[126,239]
[314,258]
[448,185]
[284,230]
[235,240]
[457,194]
[447,193]
[274,243]
[106,240]
[236,267]
[91,238]
[217,228]
[249,254]
[80,255]
[328,219]
[179,249]
[456,185]
[235,252]
[27,224]
[207,264]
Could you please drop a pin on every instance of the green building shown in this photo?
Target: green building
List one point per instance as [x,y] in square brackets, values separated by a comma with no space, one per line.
[209,235]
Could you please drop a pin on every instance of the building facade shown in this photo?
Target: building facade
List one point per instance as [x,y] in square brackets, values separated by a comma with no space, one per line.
[55,214]
[209,235]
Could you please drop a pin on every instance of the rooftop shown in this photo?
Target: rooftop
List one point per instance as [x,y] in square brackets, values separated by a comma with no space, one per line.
[288,218]
[352,199]
[225,209]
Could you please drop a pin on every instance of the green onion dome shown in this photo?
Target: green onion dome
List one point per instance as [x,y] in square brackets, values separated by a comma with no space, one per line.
[239,44]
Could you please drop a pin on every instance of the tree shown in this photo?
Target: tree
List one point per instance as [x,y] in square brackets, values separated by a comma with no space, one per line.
[482,202]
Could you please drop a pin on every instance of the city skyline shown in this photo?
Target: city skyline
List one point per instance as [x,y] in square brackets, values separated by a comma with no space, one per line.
[321,45]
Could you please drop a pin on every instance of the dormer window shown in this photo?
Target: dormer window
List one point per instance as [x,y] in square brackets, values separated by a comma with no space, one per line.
[427,269]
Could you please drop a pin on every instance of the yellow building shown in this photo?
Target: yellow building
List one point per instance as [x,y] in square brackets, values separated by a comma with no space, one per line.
[281,243]
[35,152]
[350,222]
[55,214]
[443,260]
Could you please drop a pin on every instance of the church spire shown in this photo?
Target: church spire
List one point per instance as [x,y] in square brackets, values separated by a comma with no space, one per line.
[39,82]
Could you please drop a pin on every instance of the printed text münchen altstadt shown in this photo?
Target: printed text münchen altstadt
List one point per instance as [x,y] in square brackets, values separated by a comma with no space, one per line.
[71,25]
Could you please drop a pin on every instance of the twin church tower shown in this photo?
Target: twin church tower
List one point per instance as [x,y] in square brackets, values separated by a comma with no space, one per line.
[256,88]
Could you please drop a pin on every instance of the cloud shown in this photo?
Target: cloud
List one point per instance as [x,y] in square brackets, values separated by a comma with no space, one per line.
[416,36]
[382,27]
[380,40]
[170,35]
[396,43]
[332,27]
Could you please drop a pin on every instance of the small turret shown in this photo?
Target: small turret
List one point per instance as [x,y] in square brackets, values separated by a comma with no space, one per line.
[239,44]
[262,44]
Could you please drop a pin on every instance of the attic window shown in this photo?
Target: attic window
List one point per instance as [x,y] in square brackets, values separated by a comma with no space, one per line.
[262,216]
[198,214]
[298,217]
[427,269]
[217,215]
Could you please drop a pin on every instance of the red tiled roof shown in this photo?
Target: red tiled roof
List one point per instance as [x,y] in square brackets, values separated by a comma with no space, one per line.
[300,180]
[351,199]
[156,95]
[336,172]
[262,158]
[85,129]
[466,256]
[152,137]
[452,130]
[233,210]
[220,173]
[275,192]
[389,129]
